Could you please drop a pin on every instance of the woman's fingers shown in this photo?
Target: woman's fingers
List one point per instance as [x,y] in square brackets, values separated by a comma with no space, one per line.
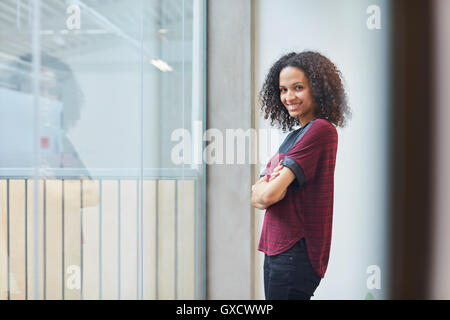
[269,177]
[273,175]
[264,178]
[278,168]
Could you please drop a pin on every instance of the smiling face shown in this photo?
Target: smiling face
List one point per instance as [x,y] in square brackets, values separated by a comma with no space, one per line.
[295,94]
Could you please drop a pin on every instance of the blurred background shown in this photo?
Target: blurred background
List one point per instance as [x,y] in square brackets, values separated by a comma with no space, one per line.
[92,205]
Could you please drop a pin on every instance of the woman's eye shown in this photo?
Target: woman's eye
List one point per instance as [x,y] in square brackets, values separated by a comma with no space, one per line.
[299,87]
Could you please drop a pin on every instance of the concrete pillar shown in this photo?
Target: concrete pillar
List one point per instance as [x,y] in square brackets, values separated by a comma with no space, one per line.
[229,106]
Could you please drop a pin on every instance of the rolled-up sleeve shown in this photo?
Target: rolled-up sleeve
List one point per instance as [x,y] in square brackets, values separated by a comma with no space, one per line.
[296,169]
[304,157]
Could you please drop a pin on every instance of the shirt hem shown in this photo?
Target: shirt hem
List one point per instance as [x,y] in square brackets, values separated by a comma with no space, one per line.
[287,248]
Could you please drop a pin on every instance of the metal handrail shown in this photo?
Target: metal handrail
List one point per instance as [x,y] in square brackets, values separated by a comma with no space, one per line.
[103,173]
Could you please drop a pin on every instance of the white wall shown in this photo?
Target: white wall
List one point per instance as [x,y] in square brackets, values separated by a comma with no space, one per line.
[338,30]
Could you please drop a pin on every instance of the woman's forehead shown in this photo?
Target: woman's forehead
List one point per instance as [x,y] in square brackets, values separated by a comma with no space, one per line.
[291,75]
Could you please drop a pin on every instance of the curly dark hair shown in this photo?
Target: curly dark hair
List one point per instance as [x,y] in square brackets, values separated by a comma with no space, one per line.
[327,90]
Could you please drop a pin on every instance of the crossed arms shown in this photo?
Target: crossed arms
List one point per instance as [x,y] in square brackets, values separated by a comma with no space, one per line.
[266,192]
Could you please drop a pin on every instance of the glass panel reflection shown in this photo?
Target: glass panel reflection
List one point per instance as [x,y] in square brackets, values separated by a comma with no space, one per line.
[113,217]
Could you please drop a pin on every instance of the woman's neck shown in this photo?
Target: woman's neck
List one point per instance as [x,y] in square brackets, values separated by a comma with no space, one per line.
[305,121]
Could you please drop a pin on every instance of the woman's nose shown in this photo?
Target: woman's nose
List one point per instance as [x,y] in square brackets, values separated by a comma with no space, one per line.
[290,96]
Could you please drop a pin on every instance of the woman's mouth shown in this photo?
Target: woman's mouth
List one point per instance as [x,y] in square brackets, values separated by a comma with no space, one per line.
[293,107]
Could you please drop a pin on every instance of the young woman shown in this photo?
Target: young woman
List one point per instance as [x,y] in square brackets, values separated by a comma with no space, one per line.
[296,188]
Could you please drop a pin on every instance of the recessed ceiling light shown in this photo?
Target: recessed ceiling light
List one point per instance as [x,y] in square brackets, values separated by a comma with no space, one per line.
[161,65]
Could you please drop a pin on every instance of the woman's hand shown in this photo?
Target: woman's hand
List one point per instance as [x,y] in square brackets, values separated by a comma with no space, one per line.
[276,172]
[269,177]
[256,202]
[255,199]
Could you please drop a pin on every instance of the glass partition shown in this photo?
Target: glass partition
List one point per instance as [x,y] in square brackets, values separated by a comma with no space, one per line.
[93,203]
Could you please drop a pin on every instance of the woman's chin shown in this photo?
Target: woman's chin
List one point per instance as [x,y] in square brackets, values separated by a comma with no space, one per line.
[294,114]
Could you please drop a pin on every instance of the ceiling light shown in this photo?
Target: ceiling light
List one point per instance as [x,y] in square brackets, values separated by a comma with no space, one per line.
[161,65]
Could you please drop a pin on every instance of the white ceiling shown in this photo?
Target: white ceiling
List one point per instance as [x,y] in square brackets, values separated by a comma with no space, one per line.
[104,23]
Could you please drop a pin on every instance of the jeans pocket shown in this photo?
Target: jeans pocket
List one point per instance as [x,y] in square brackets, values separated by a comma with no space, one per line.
[283,260]
[282,270]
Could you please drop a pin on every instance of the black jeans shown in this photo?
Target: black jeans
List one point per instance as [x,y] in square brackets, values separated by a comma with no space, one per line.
[289,275]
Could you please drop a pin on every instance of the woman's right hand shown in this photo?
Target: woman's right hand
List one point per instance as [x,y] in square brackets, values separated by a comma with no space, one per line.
[275,173]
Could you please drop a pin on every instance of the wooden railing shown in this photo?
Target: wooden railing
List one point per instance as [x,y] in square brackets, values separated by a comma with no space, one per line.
[98,238]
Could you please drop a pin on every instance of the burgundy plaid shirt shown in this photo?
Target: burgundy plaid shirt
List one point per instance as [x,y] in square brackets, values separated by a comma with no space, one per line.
[307,208]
